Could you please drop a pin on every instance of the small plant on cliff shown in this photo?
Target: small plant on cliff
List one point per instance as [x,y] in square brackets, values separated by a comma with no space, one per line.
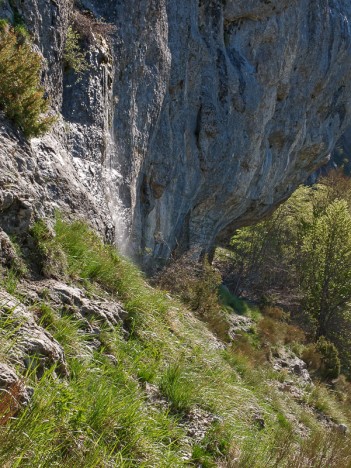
[21,96]
[88,26]
[74,57]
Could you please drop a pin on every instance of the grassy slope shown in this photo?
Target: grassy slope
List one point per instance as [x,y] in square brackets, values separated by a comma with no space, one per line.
[102,414]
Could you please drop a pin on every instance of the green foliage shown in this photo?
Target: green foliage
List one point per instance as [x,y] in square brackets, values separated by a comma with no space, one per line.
[177,387]
[95,420]
[227,299]
[105,414]
[326,274]
[266,256]
[10,281]
[21,96]
[73,55]
[330,366]
[4,24]
[88,258]
[48,254]
[301,256]
[22,33]
[45,316]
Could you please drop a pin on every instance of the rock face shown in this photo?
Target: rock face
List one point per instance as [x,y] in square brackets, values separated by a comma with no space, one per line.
[195,116]
[341,156]
[33,345]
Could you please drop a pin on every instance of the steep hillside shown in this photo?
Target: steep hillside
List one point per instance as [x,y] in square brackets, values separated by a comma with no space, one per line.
[97,368]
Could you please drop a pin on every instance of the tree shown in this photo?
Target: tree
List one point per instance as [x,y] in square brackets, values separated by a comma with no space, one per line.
[266,256]
[326,268]
[21,95]
[301,257]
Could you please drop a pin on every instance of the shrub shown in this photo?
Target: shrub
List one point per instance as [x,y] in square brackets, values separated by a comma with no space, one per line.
[275,332]
[3,23]
[73,55]
[312,357]
[21,96]
[87,25]
[197,285]
[322,358]
[275,313]
[245,354]
[330,366]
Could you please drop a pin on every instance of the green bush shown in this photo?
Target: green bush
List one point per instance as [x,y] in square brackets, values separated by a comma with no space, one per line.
[21,96]
[330,365]
[322,358]
[3,23]
[74,57]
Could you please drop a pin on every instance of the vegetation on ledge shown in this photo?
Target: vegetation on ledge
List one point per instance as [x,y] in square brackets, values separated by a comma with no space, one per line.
[21,95]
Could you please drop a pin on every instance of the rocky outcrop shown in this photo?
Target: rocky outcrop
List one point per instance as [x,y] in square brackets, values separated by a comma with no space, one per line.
[257,94]
[13,394]
[32,346]
[286,360]
[91,312]
[194,118]
[38,178]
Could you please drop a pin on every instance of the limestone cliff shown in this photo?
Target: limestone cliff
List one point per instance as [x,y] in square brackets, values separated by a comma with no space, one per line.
[194,117]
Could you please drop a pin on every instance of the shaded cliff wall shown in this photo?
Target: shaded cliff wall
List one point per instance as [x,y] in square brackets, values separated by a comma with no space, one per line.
[256,95]
[196,117]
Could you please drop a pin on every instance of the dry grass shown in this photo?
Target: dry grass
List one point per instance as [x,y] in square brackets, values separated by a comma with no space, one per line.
[197,285]
[10,402]
[88,26]
[274,332]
